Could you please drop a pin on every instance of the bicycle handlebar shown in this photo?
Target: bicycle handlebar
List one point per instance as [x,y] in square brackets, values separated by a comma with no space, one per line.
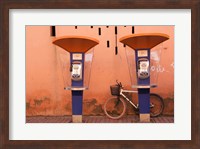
[119,83]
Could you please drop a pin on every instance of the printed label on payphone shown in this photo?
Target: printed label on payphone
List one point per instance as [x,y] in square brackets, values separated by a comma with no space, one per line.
[143,68]
[76,73]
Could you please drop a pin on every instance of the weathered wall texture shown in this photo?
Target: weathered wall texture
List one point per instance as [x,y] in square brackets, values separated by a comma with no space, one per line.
[44,80]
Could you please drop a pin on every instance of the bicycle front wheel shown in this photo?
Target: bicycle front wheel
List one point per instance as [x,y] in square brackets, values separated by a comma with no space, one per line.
[115,107]
[156,105]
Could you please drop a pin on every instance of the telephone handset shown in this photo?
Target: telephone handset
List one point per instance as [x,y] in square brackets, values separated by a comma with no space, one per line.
[76,71]
[143,68]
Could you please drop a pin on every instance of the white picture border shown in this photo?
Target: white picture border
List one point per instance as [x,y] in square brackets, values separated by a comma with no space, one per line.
[179,130]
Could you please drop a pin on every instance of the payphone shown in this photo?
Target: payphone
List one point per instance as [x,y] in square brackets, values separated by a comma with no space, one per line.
[80,65]
[143,68]
[139,58]
[76,71]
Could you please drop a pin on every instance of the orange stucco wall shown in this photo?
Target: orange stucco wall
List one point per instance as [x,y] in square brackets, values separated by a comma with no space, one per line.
[44,81]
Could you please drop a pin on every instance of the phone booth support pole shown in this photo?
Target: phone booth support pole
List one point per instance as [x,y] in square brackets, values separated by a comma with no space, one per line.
[143,90]
[77,95]
[142,44]
[77,46]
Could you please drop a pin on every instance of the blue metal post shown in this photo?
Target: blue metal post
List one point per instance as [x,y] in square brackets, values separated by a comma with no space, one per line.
[77,95]
[143,93]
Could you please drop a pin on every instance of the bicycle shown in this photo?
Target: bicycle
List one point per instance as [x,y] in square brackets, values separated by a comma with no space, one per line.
[115,107]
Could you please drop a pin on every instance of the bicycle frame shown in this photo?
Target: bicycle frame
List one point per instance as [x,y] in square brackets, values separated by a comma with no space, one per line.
[128,91]
[118,91]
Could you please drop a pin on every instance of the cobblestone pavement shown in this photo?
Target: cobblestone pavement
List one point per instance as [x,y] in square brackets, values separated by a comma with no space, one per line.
[96,119]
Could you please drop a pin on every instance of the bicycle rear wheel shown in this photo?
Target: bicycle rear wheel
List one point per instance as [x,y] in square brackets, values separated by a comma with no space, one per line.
[156,105]
[115,107]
